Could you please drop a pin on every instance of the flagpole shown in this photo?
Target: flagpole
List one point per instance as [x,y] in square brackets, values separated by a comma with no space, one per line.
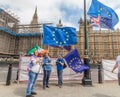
[87,76]
[59,25]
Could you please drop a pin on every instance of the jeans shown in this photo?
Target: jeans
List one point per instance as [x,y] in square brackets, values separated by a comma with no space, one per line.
[31,82]
[60,73]
[46,78]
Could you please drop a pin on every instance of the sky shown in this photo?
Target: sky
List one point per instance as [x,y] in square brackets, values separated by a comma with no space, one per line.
[69,11]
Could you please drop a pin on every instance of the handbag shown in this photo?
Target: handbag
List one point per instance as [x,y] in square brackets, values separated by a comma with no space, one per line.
[64,66]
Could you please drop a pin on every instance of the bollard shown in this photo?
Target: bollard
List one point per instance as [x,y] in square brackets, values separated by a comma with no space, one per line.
[99,72]
[8,81]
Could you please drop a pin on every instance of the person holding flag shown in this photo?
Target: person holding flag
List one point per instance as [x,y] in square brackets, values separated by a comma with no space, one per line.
[60,63]
[46,70]
[33,71]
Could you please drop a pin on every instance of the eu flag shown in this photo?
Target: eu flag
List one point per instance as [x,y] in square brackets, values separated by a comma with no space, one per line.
[74,61]
[54,36]
[102,15]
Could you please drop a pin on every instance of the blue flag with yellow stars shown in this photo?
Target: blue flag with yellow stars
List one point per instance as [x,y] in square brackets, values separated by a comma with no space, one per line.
[102,15]
[74,61]
[54,36]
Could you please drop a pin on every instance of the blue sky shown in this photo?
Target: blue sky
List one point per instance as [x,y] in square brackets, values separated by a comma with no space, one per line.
[71,14]
[69,11]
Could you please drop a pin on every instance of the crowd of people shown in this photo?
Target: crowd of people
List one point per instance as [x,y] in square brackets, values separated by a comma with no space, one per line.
[34,69]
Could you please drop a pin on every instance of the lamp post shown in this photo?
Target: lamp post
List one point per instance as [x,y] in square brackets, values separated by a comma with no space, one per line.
[87,76]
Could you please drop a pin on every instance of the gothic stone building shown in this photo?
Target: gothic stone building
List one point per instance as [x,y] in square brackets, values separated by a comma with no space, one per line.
[17,39]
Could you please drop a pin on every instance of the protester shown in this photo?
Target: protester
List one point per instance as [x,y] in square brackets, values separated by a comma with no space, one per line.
[46,70]
[60,63]
[33,71]
[117,64]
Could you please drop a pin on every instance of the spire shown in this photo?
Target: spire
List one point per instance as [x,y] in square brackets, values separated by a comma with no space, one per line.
[59,24]
[34,27]
[35,14]
[81,21]
[35,17]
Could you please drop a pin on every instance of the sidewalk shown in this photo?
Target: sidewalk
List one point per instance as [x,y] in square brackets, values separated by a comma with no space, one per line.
[69,89]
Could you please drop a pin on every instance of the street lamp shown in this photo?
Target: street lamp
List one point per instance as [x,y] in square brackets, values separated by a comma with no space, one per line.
[87,76]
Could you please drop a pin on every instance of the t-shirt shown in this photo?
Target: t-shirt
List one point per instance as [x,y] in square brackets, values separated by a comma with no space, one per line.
[59,66]
[35,66]
[47,64]
[118,61]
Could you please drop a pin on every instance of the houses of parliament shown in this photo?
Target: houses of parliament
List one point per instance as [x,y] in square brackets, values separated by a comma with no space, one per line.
[16,39]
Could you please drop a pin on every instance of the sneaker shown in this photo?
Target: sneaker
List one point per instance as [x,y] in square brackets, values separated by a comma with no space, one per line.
[29,96]
[60,86]
[33,93]
[47,86]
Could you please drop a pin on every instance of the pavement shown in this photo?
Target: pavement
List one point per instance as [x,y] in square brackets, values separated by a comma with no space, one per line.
[69,89]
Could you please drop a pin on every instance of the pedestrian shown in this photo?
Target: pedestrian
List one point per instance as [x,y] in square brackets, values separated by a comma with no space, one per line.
[33,71]
[117,65]
[47,67]
[60,66]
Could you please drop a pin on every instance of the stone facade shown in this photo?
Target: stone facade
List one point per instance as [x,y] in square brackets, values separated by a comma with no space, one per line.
[102,43]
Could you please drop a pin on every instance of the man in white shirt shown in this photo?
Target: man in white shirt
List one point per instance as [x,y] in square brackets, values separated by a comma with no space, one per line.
[117,65]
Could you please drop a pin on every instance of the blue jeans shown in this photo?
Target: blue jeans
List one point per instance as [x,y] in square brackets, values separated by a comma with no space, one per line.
[31,82]
[46,78]
[60,78]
